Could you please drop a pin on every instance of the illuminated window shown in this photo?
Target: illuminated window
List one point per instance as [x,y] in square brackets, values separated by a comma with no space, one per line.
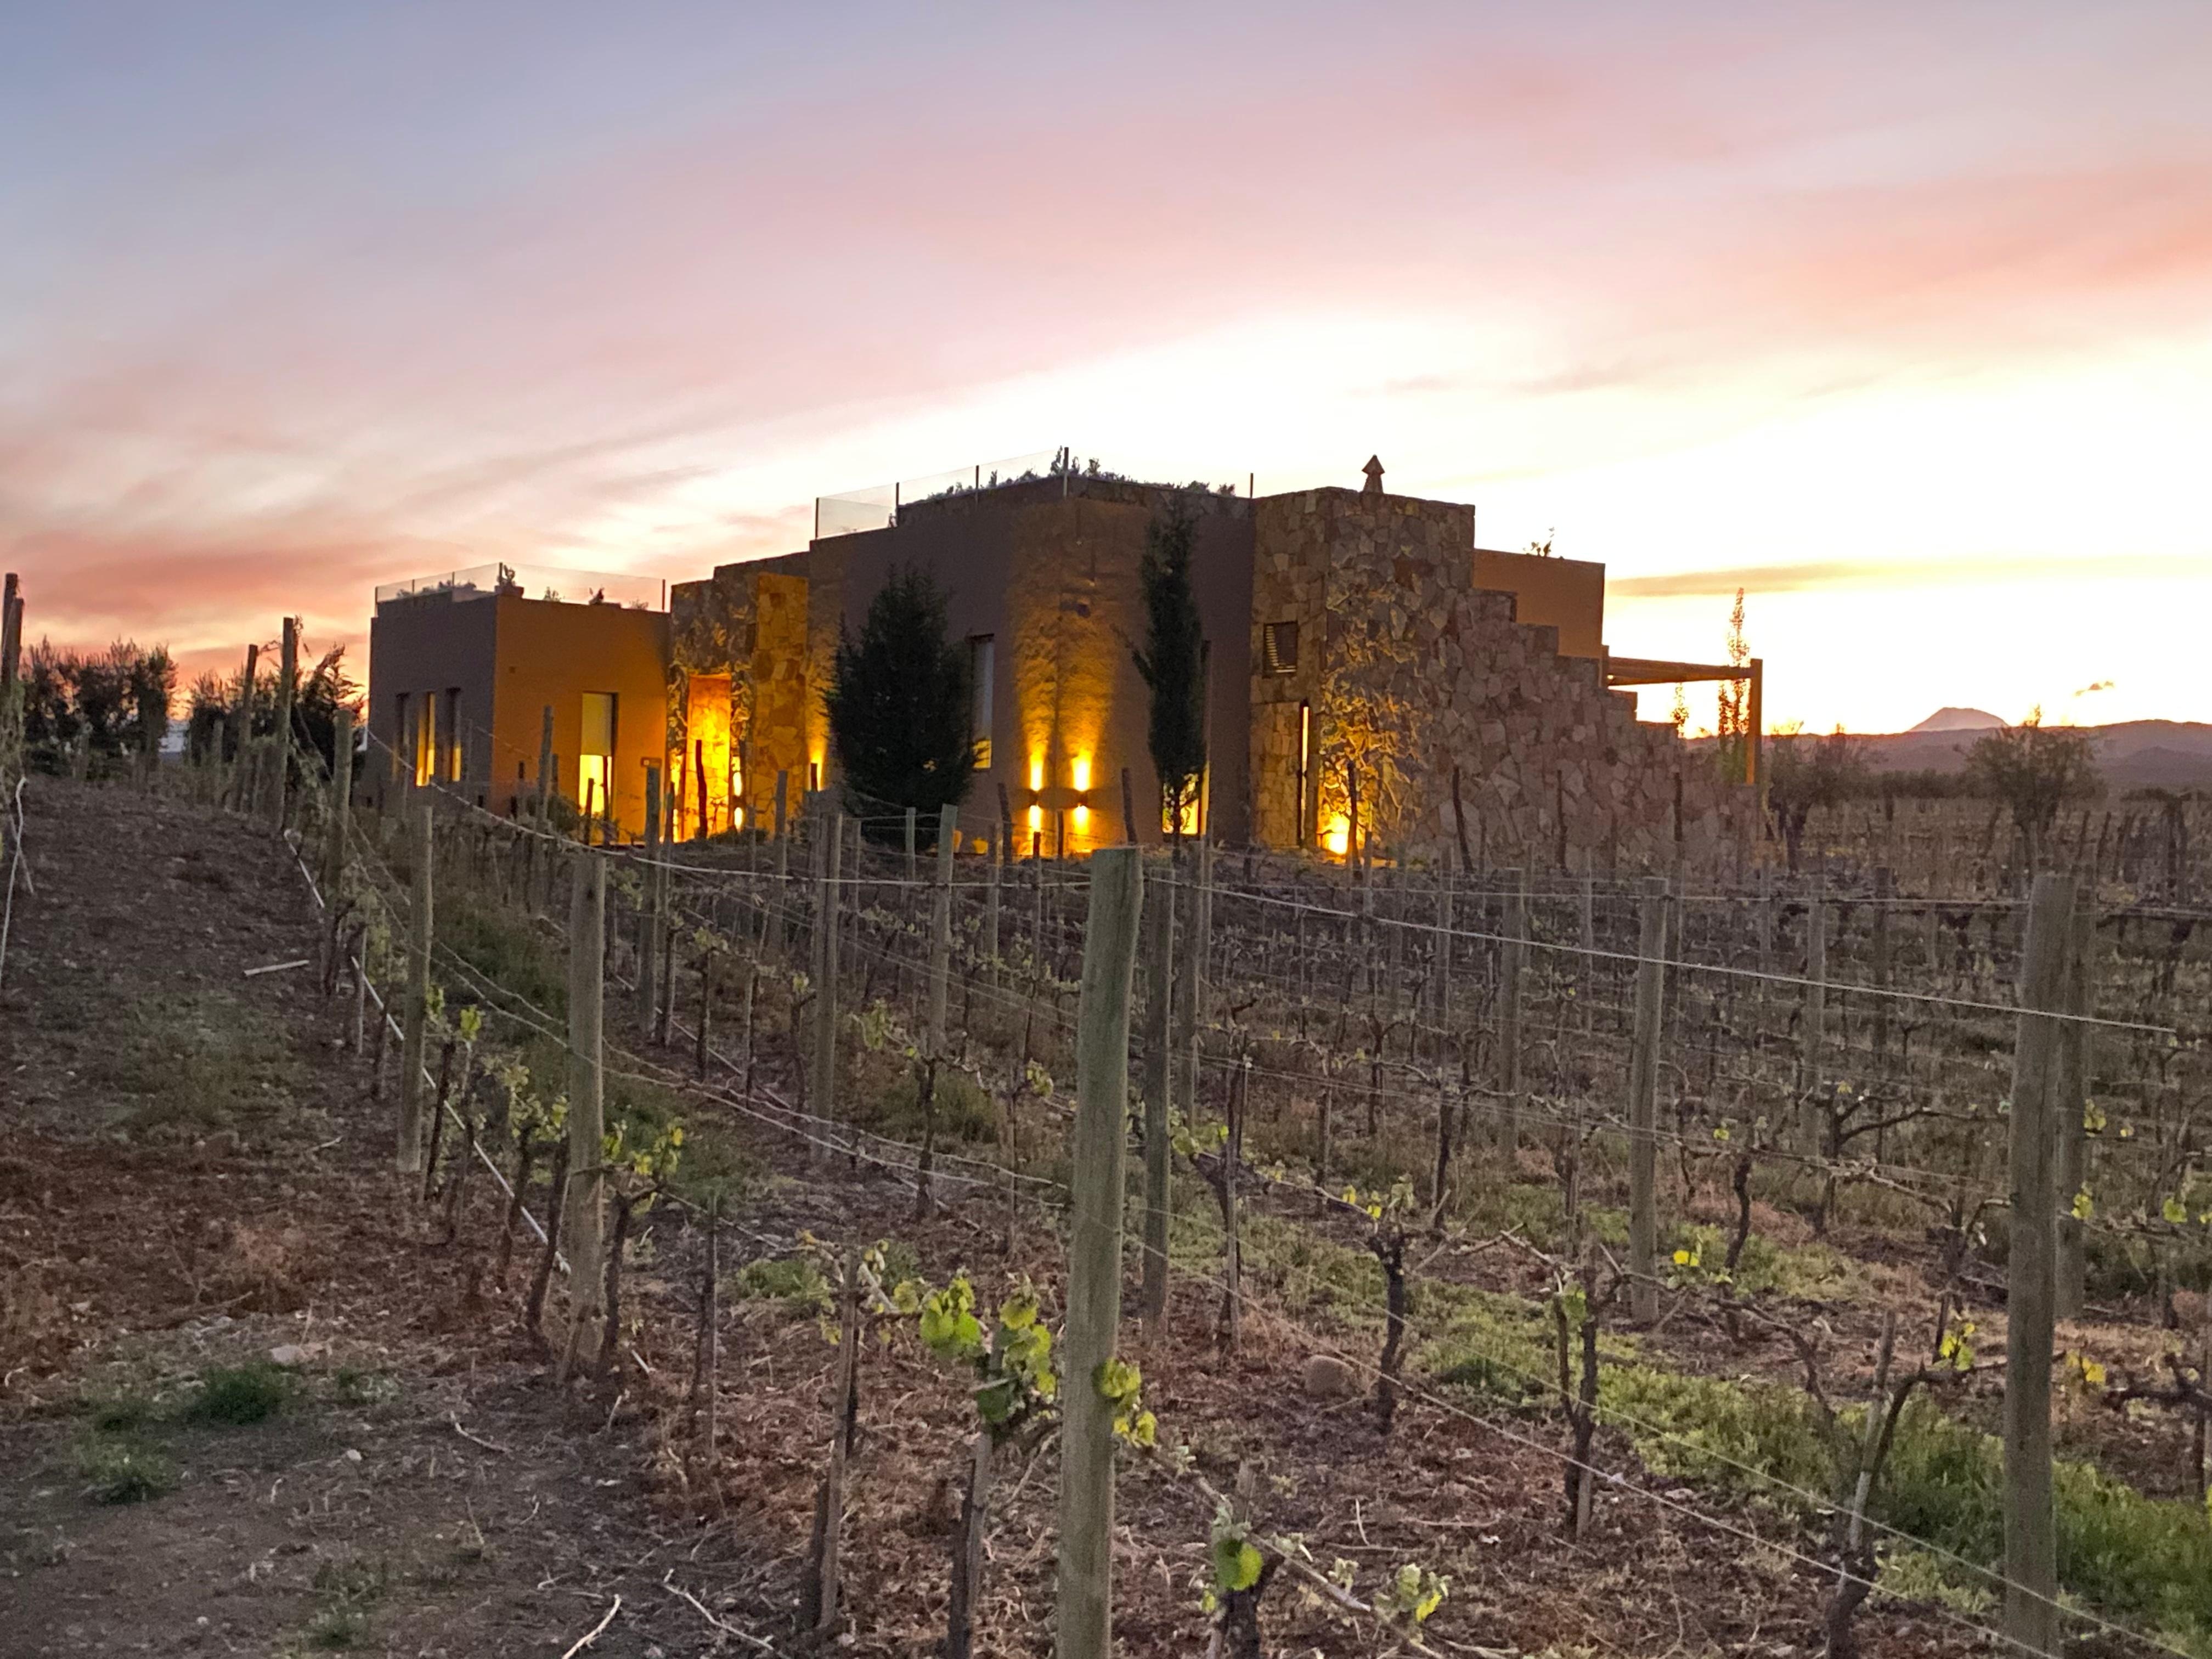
[983,666]
[595,763]
[1305,771]
[1279,647]
[453,755]
[1185,822]
[425,752]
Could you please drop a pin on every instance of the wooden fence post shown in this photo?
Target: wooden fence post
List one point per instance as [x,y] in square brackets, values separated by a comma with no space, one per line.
[1190,1006]
[651,912]
[242,735]
[1643,1102]
[2072,1102]
[1159,1029]
[1813,1031]
[1884,901]
[287,677]
[1094,1252]
[415,1016]
[585,1212]
[940,930]
[2030,1606]
[829,840]
[334,853]
[1512,960]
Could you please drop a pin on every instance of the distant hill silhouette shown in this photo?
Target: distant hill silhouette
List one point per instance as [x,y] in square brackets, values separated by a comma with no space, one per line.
[2132,755]
[1958,720]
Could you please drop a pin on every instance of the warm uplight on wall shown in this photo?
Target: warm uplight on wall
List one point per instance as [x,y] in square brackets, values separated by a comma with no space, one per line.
[1036,772]
[1082,819]
[737,818]
[1338,835]
[1080,773]
[1037,819]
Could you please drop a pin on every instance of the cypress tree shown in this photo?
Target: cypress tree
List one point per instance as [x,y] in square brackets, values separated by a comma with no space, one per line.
[898,705]
[1172,661]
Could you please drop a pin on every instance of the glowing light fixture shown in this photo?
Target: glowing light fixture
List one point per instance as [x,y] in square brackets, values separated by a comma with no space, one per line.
[1036,772]
[1082,819]
[1037,819]
[1080,773]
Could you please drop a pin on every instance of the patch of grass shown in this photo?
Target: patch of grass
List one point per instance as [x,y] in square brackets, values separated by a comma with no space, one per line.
[236,1395]
[352,1386]
[964,1112]
[123,1470]
[1815,1272]
[197,1061]
[348,1591]
[795,1281]
[500,942]
[119,1414]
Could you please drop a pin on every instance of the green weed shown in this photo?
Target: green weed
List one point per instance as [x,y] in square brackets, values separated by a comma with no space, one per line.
[795,1281]
[236,1395]
[124,1471]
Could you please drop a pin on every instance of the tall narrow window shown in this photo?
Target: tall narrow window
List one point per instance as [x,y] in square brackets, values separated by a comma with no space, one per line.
[454,769]
[982,664]
[595,759]
[426,738]
[1305,771]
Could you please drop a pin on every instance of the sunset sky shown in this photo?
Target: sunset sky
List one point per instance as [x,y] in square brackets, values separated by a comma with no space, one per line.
[1899,317]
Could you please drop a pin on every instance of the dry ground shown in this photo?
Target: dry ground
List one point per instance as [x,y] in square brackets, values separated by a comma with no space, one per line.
[195,1176]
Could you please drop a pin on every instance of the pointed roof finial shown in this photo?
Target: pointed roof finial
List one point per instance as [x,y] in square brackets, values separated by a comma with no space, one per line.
[1374,471]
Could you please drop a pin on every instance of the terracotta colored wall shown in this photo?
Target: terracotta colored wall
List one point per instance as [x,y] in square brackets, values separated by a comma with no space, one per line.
[552,653]
[1568,594]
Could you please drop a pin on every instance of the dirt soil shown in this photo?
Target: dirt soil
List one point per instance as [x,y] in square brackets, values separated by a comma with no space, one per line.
[197,1177]
[193,1178]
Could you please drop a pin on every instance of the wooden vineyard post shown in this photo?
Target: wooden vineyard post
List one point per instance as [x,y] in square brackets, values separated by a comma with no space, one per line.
[1190,1006]
[940,930]
[1159,1028]
[1094,1256]
[1444,952]
[1512,964]
[1128,809]
[1884,901]
[1643,1102]
[913,865]
[821,1586]
[822,1092]
[991,907]
[2066,1111]
[1812,1033]
[649,913]
[584,1215]
[1232,1253]
[241,734]
[287,677]
[334,852]
[545,768]
[2031,1561]
[415,1016]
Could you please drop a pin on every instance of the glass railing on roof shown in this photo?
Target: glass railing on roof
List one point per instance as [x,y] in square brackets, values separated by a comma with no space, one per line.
[486,581]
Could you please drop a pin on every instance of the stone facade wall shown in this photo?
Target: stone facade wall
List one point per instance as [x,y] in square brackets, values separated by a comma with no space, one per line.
[1412,674]
[747,622]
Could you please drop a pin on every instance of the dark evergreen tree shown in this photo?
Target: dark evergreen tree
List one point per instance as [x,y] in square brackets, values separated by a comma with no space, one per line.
[898,707]
[1172,661]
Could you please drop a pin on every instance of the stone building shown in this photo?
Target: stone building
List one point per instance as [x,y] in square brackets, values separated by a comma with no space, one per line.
[1373,678]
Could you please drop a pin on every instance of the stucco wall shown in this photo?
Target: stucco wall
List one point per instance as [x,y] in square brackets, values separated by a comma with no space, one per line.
[425,646]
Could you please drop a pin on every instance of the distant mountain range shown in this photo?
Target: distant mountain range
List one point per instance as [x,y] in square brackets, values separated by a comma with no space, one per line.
[2132,755]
